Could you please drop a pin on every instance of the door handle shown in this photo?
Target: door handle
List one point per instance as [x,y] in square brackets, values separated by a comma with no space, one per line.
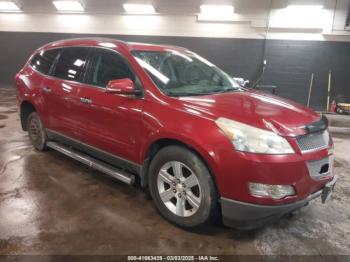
[47,89]
[85,100]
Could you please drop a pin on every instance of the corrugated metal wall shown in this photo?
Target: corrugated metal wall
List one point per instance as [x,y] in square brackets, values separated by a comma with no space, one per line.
[290,62]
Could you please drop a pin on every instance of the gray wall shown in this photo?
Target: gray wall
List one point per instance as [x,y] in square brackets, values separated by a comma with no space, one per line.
[290,62]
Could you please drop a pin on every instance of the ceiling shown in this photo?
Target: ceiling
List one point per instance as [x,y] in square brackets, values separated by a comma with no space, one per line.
[162,6]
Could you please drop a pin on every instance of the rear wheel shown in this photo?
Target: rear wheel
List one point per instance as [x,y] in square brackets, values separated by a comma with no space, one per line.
[182,187]
[36,132]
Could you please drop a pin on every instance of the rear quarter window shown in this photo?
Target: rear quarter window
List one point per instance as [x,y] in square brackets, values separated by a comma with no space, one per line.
[43,60]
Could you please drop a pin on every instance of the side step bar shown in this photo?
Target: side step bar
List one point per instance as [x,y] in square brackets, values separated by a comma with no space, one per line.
[94,163]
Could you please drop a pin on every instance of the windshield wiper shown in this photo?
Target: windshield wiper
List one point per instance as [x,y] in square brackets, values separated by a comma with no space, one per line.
[229,89]
[188,94]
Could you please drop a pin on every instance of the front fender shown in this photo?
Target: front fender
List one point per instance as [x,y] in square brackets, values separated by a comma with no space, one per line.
[197,133]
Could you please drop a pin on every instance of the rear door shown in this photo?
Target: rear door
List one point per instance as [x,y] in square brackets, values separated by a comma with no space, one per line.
[111,122]
[63,86]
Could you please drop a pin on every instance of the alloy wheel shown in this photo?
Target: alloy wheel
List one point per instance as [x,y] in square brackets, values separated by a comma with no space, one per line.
[179,189]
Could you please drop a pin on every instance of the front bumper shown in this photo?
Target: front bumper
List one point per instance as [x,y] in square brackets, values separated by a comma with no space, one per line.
[244,215]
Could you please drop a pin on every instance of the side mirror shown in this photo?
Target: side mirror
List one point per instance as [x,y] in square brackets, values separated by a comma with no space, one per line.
[241,81]
[246,83]
[123,86]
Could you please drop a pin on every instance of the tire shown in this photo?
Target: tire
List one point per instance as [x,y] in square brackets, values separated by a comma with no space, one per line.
[36,132]
[184,200]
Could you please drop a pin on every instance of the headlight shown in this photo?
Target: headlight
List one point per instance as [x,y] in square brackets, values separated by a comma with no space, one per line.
[251,139]
[273,191]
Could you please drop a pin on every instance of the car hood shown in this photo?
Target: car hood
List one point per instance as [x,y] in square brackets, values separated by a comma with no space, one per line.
[255,108]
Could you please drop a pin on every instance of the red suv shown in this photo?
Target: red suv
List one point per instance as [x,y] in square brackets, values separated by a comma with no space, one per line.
[202,144]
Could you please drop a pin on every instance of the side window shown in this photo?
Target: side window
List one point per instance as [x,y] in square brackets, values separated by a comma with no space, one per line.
[71,63]
[108,66]
[43,61]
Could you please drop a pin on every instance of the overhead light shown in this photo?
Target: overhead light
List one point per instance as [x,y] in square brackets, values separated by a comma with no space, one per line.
[139,9]
[216,13]
[299,16]
[9,6]
[68,6]
[221,9]
[305,7]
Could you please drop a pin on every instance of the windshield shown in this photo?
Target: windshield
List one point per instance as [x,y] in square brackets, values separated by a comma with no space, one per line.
[184,74]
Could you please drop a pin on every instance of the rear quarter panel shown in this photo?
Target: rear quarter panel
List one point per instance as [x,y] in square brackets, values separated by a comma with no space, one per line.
[28,88]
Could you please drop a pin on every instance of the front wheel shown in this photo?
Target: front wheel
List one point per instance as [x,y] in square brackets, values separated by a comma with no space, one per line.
[182,187]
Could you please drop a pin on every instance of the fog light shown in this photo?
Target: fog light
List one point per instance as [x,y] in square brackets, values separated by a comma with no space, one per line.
[273,191]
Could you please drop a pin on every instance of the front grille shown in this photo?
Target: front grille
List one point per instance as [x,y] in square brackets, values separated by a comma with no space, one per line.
[313,141]
[320,168]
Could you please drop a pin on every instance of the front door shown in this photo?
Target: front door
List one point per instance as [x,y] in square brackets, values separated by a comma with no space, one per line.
[112,122]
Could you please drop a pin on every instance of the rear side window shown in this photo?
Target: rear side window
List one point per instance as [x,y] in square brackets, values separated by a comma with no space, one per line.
[71,63]
[43,61]
[108,66]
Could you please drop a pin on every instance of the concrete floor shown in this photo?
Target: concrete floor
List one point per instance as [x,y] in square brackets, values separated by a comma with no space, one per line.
[50,204]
